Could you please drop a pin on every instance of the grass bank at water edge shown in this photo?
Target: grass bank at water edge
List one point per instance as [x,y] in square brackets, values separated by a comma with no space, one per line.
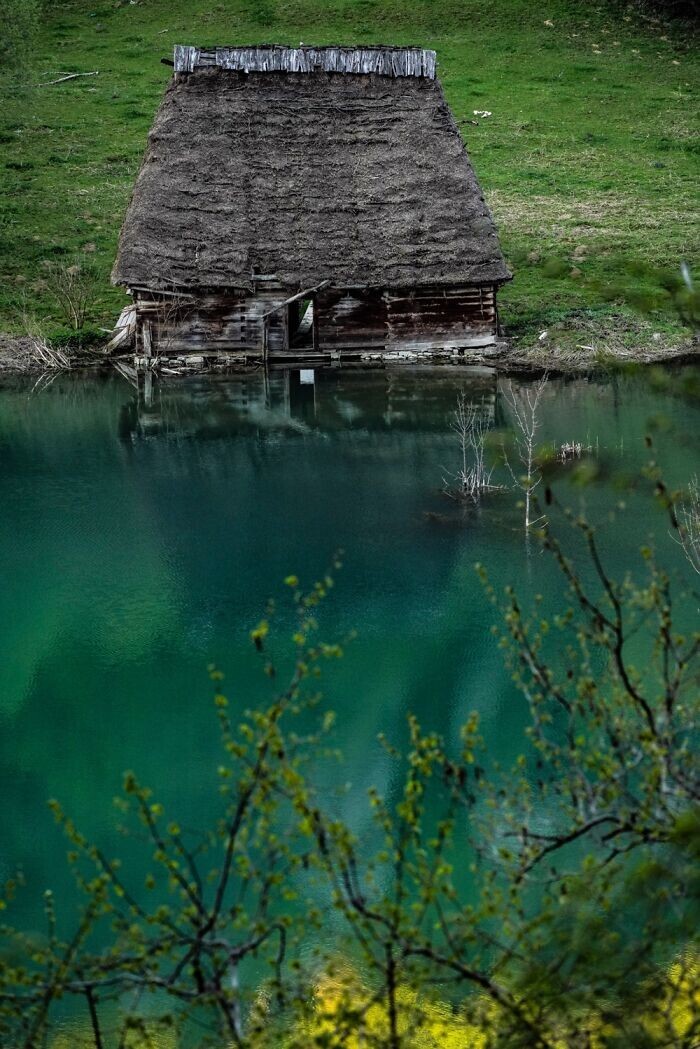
[588,155]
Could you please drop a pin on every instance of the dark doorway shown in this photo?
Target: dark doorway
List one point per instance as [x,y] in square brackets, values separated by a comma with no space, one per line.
[301,324]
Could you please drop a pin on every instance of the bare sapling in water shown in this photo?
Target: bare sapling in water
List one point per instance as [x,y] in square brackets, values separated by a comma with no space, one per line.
[474,476]
[172,312]
[524,403]
[689,524]
[570,450]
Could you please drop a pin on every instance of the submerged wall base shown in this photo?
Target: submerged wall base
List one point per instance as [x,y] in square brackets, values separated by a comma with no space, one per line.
[479,350]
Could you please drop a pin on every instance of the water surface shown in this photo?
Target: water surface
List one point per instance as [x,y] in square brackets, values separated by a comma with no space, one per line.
[138,543]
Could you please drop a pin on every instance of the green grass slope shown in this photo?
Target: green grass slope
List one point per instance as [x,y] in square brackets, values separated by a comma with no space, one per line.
[588,157]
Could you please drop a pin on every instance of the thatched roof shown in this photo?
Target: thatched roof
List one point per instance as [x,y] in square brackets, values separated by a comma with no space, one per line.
[359,178]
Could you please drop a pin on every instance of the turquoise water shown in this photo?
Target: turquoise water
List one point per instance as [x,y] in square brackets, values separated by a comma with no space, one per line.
[140,543]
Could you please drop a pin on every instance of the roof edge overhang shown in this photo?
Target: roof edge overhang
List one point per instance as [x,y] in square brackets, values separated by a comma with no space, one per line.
[278,58]
[252,287]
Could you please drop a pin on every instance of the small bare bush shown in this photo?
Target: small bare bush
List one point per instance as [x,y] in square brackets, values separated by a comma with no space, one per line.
[172,314]
[474,477]
[570,450]
[74,290]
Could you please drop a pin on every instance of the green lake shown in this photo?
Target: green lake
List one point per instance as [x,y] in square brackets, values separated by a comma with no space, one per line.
[139,543]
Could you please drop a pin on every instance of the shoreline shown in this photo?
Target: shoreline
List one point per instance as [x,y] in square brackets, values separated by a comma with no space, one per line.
[537,361]
[18,357]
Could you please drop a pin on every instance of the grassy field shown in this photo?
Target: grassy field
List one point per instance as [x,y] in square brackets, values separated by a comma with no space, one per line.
[588,158]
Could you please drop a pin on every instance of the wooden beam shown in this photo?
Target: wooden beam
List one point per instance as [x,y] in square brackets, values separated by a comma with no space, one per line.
[299,295]
[265,339]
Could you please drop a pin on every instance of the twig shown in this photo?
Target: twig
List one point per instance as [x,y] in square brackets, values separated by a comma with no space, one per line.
[69,76]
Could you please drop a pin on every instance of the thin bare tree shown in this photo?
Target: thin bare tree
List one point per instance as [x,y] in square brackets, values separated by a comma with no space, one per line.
[523,403]
[689,524]
[74,288]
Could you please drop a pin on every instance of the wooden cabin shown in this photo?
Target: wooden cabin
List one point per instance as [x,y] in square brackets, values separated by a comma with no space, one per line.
[308,203]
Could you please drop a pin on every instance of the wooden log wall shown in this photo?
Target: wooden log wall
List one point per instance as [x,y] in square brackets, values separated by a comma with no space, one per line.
[213,322]
[419,319]
[434,315]
[416,318]
[350,319]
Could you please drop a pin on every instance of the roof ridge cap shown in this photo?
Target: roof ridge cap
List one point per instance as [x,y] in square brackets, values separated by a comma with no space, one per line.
[380,59]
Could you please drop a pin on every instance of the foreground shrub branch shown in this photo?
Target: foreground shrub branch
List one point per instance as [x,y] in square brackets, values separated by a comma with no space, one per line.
[534,906]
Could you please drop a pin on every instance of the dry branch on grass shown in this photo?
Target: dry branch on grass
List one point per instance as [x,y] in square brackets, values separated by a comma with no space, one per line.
[50,356]
[38,350]
[68,76]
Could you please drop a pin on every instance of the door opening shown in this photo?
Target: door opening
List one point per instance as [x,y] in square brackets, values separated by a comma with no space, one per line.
[301,323]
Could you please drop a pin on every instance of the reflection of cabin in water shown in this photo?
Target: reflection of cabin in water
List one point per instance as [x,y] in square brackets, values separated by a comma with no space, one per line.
[308,201]
[351,405]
